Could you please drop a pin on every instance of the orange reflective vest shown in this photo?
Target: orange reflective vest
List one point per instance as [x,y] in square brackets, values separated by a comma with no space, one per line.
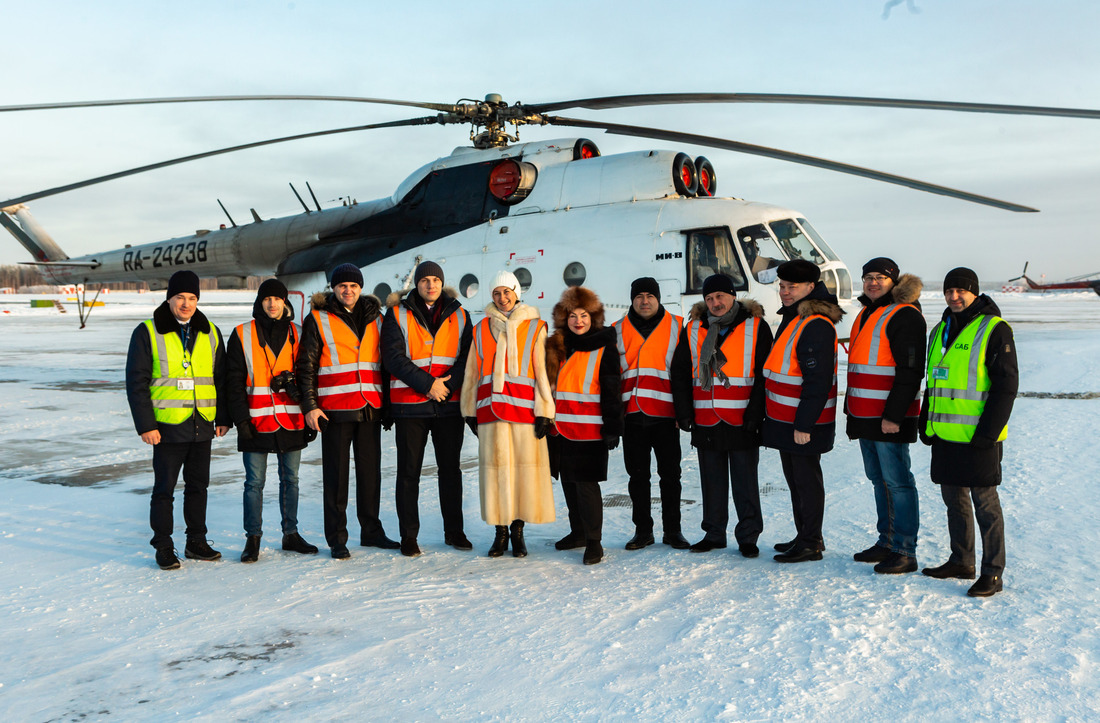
[515,401]
[871,365]
[783,376]
[349,376]
[435,355]
[644,363]
[726,400]
[577,412]
[269,410]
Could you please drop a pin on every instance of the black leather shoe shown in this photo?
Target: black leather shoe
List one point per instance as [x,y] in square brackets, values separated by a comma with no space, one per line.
[500,542]
[294,543]
[874,553]
[167,560]
[409,548]
[458,541]
[705,545]
[950,570]
[570,542]
[784,546]
[197,549]
[519,546]
[251,551]
[749,550]
[640,540]
[676,540]
[380,541]
[896,564]
[986,586]
[340,552]
[798,554]
[593,552]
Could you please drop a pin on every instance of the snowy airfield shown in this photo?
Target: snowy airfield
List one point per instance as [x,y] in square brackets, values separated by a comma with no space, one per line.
[92,630]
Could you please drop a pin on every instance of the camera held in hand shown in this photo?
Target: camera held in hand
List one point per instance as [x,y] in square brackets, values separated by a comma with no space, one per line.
[286,383]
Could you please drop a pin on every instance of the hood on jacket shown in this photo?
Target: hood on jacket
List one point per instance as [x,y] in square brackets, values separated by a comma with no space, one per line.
[578,297]
[699,309]
[906,291]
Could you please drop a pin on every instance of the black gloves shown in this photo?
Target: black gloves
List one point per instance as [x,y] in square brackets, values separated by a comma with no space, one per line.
[471,422]
[542,427]
[684,424]
[612,441]
[387,421]
[246,431]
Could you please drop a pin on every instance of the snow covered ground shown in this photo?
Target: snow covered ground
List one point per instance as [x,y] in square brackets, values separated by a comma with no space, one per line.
[92,630]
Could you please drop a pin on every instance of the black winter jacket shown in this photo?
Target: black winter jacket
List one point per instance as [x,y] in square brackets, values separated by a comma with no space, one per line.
[978,464]
[365,311]
[722,436]
[275,334]
[401,366]
[816,351]
[139,373]
[906,333]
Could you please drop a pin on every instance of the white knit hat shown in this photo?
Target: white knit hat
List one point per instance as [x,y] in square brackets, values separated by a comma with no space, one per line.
[506,279]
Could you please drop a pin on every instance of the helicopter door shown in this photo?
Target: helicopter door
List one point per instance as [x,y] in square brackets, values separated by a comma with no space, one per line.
[670,295]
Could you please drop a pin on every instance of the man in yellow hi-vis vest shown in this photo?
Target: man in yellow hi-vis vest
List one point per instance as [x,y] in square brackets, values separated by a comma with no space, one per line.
[970,388]
[174,369]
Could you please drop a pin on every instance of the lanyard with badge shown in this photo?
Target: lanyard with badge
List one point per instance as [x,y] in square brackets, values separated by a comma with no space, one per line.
[942,372]
[185,385]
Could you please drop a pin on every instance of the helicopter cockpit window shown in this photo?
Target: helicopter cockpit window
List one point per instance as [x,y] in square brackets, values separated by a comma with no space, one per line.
[795,243]
[818,241]
[710,252]
[761,253]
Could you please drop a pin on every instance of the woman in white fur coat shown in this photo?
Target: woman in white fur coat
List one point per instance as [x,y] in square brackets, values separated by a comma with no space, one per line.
[507,403]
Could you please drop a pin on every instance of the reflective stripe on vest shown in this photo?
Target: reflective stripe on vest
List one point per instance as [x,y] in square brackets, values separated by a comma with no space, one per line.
[871,366]
[644,363]
[956,403]
[269,410]
[349,376]
[515,402]
[182,381]
[783,376]
[577,412]
[727,400]
[435,355]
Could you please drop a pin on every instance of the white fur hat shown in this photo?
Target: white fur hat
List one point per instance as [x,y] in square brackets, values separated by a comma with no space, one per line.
[506,279]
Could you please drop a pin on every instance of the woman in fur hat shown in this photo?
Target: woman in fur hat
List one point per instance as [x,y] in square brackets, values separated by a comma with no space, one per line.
[507,403]
[582,361]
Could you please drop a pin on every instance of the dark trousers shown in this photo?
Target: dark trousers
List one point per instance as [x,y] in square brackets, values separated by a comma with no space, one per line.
[960,526]
[338,442]
[803,475]
[168,459]
[663,439]
[412,438]
[717,469]
[585,504]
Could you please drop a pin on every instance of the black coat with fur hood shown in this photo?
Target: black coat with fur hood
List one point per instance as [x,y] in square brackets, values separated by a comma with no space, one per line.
[722,436]
[816,351]
[366,310]
[907,335]
[401,366]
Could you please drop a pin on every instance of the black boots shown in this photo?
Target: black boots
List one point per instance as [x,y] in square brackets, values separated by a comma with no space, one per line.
[500,542]
[640,540]
[986,586]
[519,547]
[166,559]
[896,564]
[950,570]
[593,552]
[874,553]
[199,549]
[294,543]
[251,549]
[570,542]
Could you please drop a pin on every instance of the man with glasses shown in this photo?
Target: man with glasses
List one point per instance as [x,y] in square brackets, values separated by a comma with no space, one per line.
[882,404]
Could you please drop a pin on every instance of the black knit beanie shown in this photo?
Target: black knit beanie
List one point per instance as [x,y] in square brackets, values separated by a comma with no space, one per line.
[346,274]
[183,282]
[962,278]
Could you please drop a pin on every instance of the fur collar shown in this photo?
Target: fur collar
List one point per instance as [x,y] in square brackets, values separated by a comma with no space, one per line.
[166,323]
[809,307]
[906,291]
[699,309]
[396,297]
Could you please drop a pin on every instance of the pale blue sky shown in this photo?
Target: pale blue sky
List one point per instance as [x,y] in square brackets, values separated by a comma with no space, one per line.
[998,52]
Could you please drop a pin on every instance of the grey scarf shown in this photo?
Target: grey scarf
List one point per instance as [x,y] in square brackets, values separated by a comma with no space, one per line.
[711,357]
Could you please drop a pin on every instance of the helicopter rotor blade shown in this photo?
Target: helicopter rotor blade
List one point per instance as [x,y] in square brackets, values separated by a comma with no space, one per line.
[446,108]
[640,132]
[428,120]
[630,101]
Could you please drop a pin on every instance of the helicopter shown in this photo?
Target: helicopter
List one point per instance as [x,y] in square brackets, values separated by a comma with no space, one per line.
[556,213]
[1084,281]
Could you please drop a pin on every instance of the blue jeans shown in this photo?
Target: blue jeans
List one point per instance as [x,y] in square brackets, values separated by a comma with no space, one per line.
[887,466]
[255,473]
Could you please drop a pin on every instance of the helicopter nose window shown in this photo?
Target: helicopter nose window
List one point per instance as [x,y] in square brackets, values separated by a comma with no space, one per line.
[818,241]
[575,274]
[795,243]
[762,256]
[844,284]
[523,276]
[710,252]
[382,291]
[468,286]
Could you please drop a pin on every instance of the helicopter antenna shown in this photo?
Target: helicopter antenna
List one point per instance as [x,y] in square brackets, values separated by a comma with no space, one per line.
[227,213]
[311,193]
[299,197]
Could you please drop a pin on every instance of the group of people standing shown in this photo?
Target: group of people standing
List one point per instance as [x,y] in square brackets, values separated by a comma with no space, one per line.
[546,405]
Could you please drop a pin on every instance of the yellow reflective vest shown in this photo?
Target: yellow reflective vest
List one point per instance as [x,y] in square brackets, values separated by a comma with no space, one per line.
[182,381]
[958,381]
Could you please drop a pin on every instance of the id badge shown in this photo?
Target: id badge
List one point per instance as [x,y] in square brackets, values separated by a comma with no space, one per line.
[941,373]
[185,385]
